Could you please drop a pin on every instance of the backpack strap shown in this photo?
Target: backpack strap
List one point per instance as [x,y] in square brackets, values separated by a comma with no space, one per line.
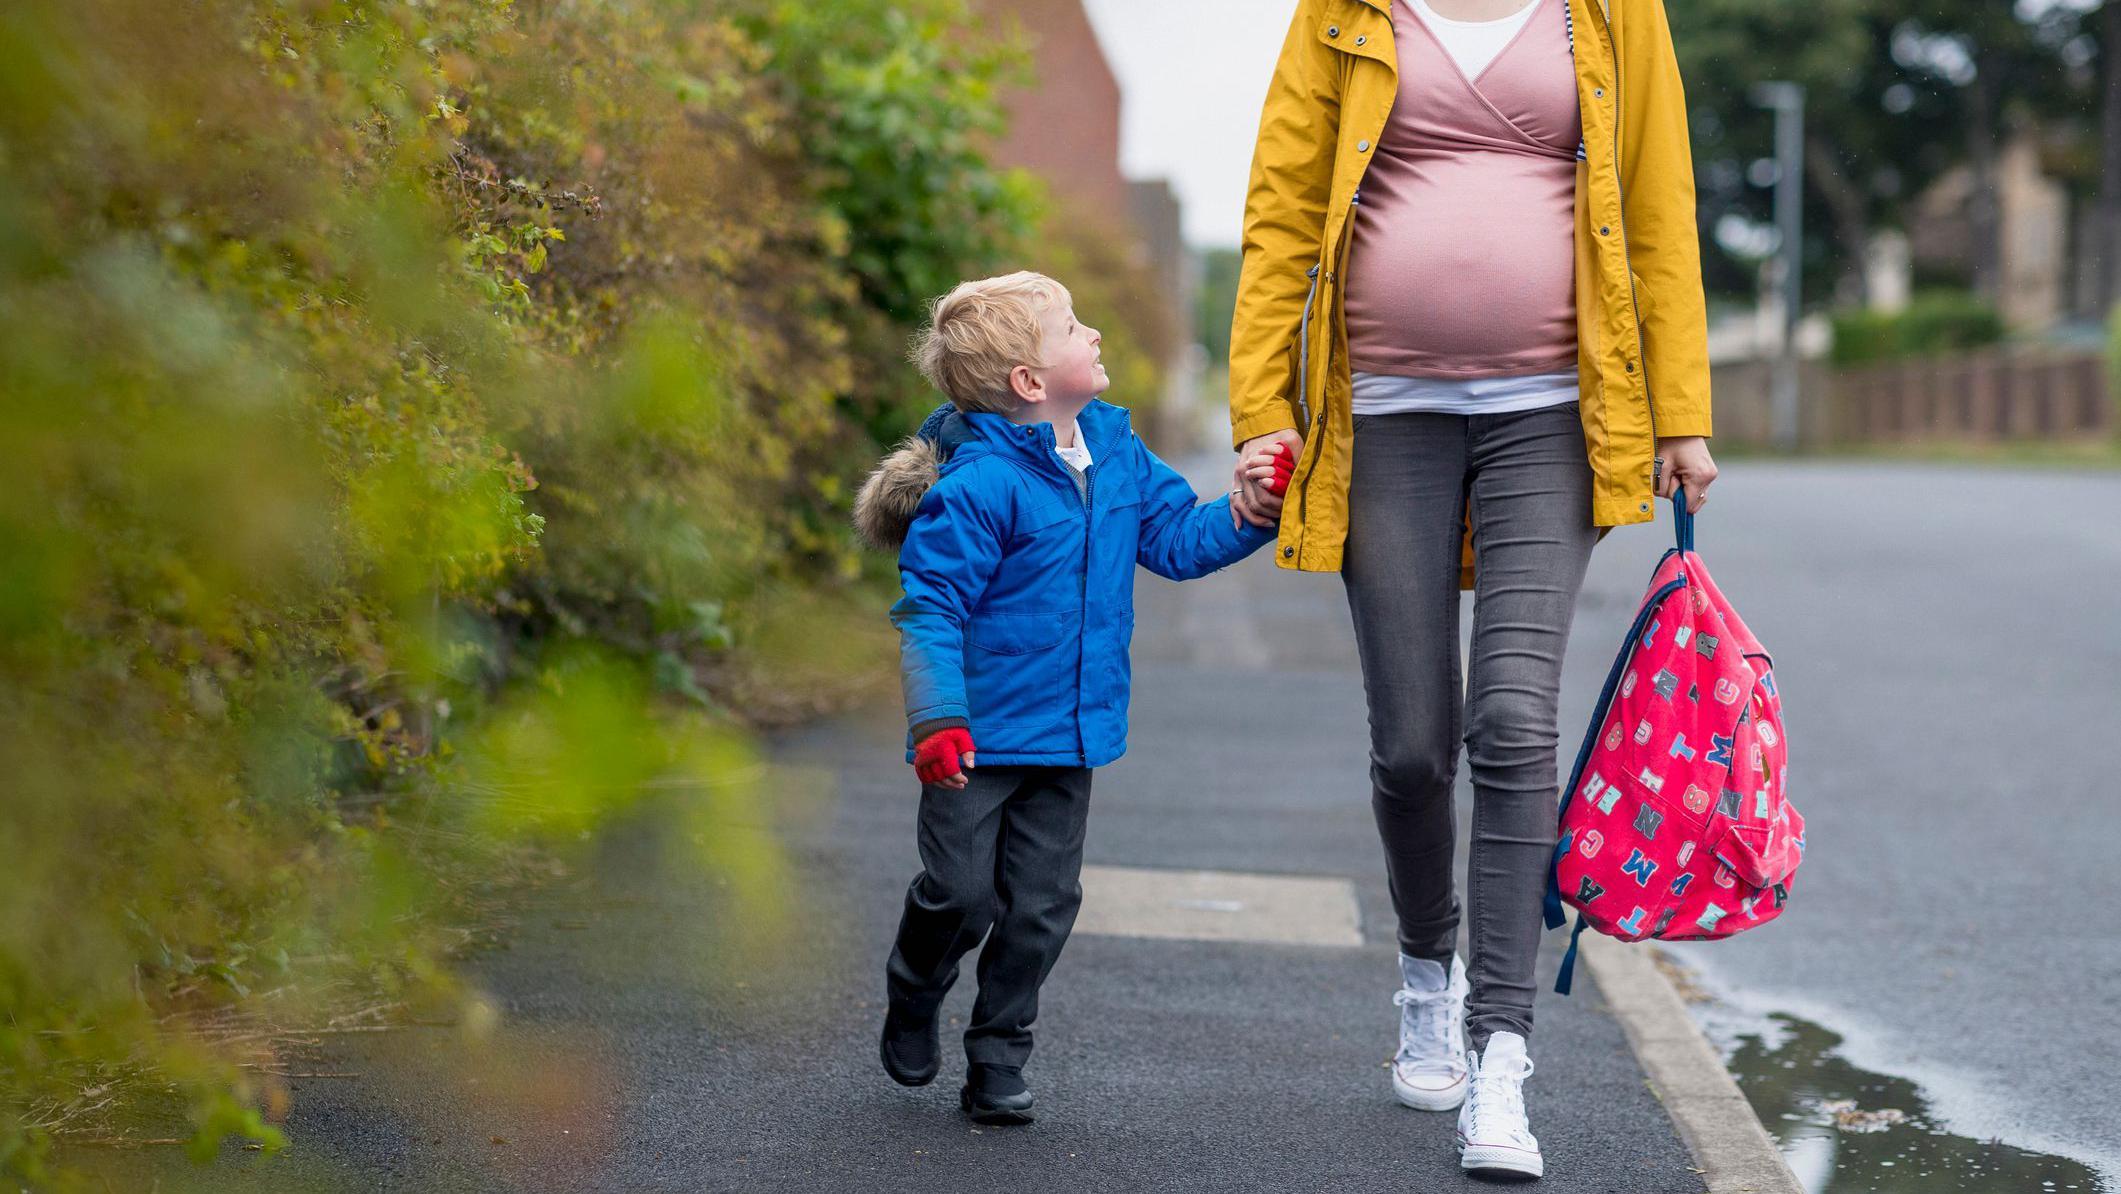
[1682,521]
[1567,978]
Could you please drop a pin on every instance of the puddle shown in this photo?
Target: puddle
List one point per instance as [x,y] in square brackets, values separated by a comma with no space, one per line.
[1844,1129]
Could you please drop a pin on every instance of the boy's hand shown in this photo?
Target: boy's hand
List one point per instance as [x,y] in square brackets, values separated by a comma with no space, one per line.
[1263,476]
[935,758]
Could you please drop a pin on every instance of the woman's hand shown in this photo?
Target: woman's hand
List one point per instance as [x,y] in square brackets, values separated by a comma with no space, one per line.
[1253,502]
[1684,462]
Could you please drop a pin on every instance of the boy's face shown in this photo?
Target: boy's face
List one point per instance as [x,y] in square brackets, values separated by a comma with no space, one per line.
[1072,374]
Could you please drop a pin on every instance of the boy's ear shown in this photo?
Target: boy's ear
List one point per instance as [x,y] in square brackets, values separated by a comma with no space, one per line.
[1026,385]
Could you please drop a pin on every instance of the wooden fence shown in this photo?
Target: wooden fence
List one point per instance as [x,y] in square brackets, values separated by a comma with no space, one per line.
[1992,395]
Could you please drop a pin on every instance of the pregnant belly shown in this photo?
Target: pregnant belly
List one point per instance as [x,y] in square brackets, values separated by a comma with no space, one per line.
[1464,269]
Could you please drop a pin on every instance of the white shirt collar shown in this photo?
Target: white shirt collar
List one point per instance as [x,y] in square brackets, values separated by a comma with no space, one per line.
[1078,457]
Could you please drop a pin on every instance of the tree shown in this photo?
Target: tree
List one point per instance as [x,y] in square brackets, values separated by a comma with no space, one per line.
[1870,137]
[2107,229]
[1898,91]
[2004,66]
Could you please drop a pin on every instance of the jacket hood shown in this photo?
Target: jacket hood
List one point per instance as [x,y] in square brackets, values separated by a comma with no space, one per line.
[884,507]
[888,499]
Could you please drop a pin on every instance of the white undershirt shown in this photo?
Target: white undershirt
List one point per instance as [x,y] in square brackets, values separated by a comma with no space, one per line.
[1473,45]
[1077,454]
[1387,394]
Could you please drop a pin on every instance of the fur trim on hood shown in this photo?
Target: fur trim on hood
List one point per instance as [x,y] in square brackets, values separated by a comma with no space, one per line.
[883,510]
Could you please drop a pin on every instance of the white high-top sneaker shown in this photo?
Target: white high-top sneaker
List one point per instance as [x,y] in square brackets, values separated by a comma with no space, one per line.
[1429,1072]
[1493,1135]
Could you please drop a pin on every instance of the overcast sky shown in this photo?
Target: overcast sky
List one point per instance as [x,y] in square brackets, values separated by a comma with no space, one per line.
[1192,74]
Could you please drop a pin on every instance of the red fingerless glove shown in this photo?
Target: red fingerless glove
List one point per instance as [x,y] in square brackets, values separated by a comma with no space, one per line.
[935,758]
[1284,469]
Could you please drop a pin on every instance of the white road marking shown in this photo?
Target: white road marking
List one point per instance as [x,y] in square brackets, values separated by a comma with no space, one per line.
[1123,901]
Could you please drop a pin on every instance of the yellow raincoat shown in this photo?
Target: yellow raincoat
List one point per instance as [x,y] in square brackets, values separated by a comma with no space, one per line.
[1642,351]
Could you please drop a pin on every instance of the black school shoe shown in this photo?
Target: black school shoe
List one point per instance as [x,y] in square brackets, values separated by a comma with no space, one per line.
[995,1094]
[910,1049]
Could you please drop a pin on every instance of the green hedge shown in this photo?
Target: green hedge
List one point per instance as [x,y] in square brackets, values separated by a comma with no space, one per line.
[1934,322]
[417,424]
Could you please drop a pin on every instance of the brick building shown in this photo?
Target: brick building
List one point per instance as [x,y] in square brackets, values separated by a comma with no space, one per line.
[1065,127]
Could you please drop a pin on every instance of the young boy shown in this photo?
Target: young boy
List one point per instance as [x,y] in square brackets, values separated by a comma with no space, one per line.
[1022,515]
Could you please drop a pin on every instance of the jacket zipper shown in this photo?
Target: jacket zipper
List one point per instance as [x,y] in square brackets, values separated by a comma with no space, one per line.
[1303,389]
[1318,429]
[1634,303]
[1303,352]
[1082,639]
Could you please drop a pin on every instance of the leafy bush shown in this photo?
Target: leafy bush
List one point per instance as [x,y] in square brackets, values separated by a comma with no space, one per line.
[1935,322]
[414,420]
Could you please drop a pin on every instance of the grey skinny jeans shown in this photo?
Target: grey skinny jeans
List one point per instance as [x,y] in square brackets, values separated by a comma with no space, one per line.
[1526,479]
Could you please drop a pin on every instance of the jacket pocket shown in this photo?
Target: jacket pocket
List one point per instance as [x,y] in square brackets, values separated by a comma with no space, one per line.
[1022,669]
[1023,633]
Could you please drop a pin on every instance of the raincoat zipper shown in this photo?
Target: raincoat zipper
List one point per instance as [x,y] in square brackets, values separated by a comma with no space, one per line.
[1303,352]
[1318,430]
[1605,19]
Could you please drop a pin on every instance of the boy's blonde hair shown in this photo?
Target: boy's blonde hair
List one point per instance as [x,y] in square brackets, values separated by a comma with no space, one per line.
[982,330]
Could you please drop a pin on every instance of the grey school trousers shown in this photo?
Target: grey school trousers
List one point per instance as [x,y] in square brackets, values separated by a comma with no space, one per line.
[1525,479]
[1003,859]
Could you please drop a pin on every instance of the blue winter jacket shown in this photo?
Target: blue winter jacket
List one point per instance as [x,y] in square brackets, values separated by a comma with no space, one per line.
[1019,586]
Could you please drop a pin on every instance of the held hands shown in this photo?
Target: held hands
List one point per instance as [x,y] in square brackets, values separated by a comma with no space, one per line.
[1282,465]
[1684,461]
[1265,466]
[935,758]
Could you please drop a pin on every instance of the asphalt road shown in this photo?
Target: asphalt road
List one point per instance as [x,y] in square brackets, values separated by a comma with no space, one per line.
[653,1032]
[1948,647]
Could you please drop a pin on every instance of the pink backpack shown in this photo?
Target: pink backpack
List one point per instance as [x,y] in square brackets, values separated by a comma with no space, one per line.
[1676,823]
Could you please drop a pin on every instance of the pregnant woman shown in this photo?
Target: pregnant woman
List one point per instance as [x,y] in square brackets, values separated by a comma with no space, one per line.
[1471,308]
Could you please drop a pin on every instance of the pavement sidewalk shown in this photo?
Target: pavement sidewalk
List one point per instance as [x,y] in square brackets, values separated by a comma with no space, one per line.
[630,1055]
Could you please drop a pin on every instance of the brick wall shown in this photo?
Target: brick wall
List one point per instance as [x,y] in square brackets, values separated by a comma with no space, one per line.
[1065,126]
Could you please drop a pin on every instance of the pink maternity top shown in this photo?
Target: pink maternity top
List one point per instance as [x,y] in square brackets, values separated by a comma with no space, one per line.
[1461,270]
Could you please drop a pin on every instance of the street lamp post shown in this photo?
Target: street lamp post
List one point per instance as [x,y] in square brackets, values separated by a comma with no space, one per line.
[1786,100]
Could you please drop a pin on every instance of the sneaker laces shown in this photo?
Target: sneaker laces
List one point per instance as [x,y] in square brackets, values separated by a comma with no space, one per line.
[1495,1101]
[1430,1045]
